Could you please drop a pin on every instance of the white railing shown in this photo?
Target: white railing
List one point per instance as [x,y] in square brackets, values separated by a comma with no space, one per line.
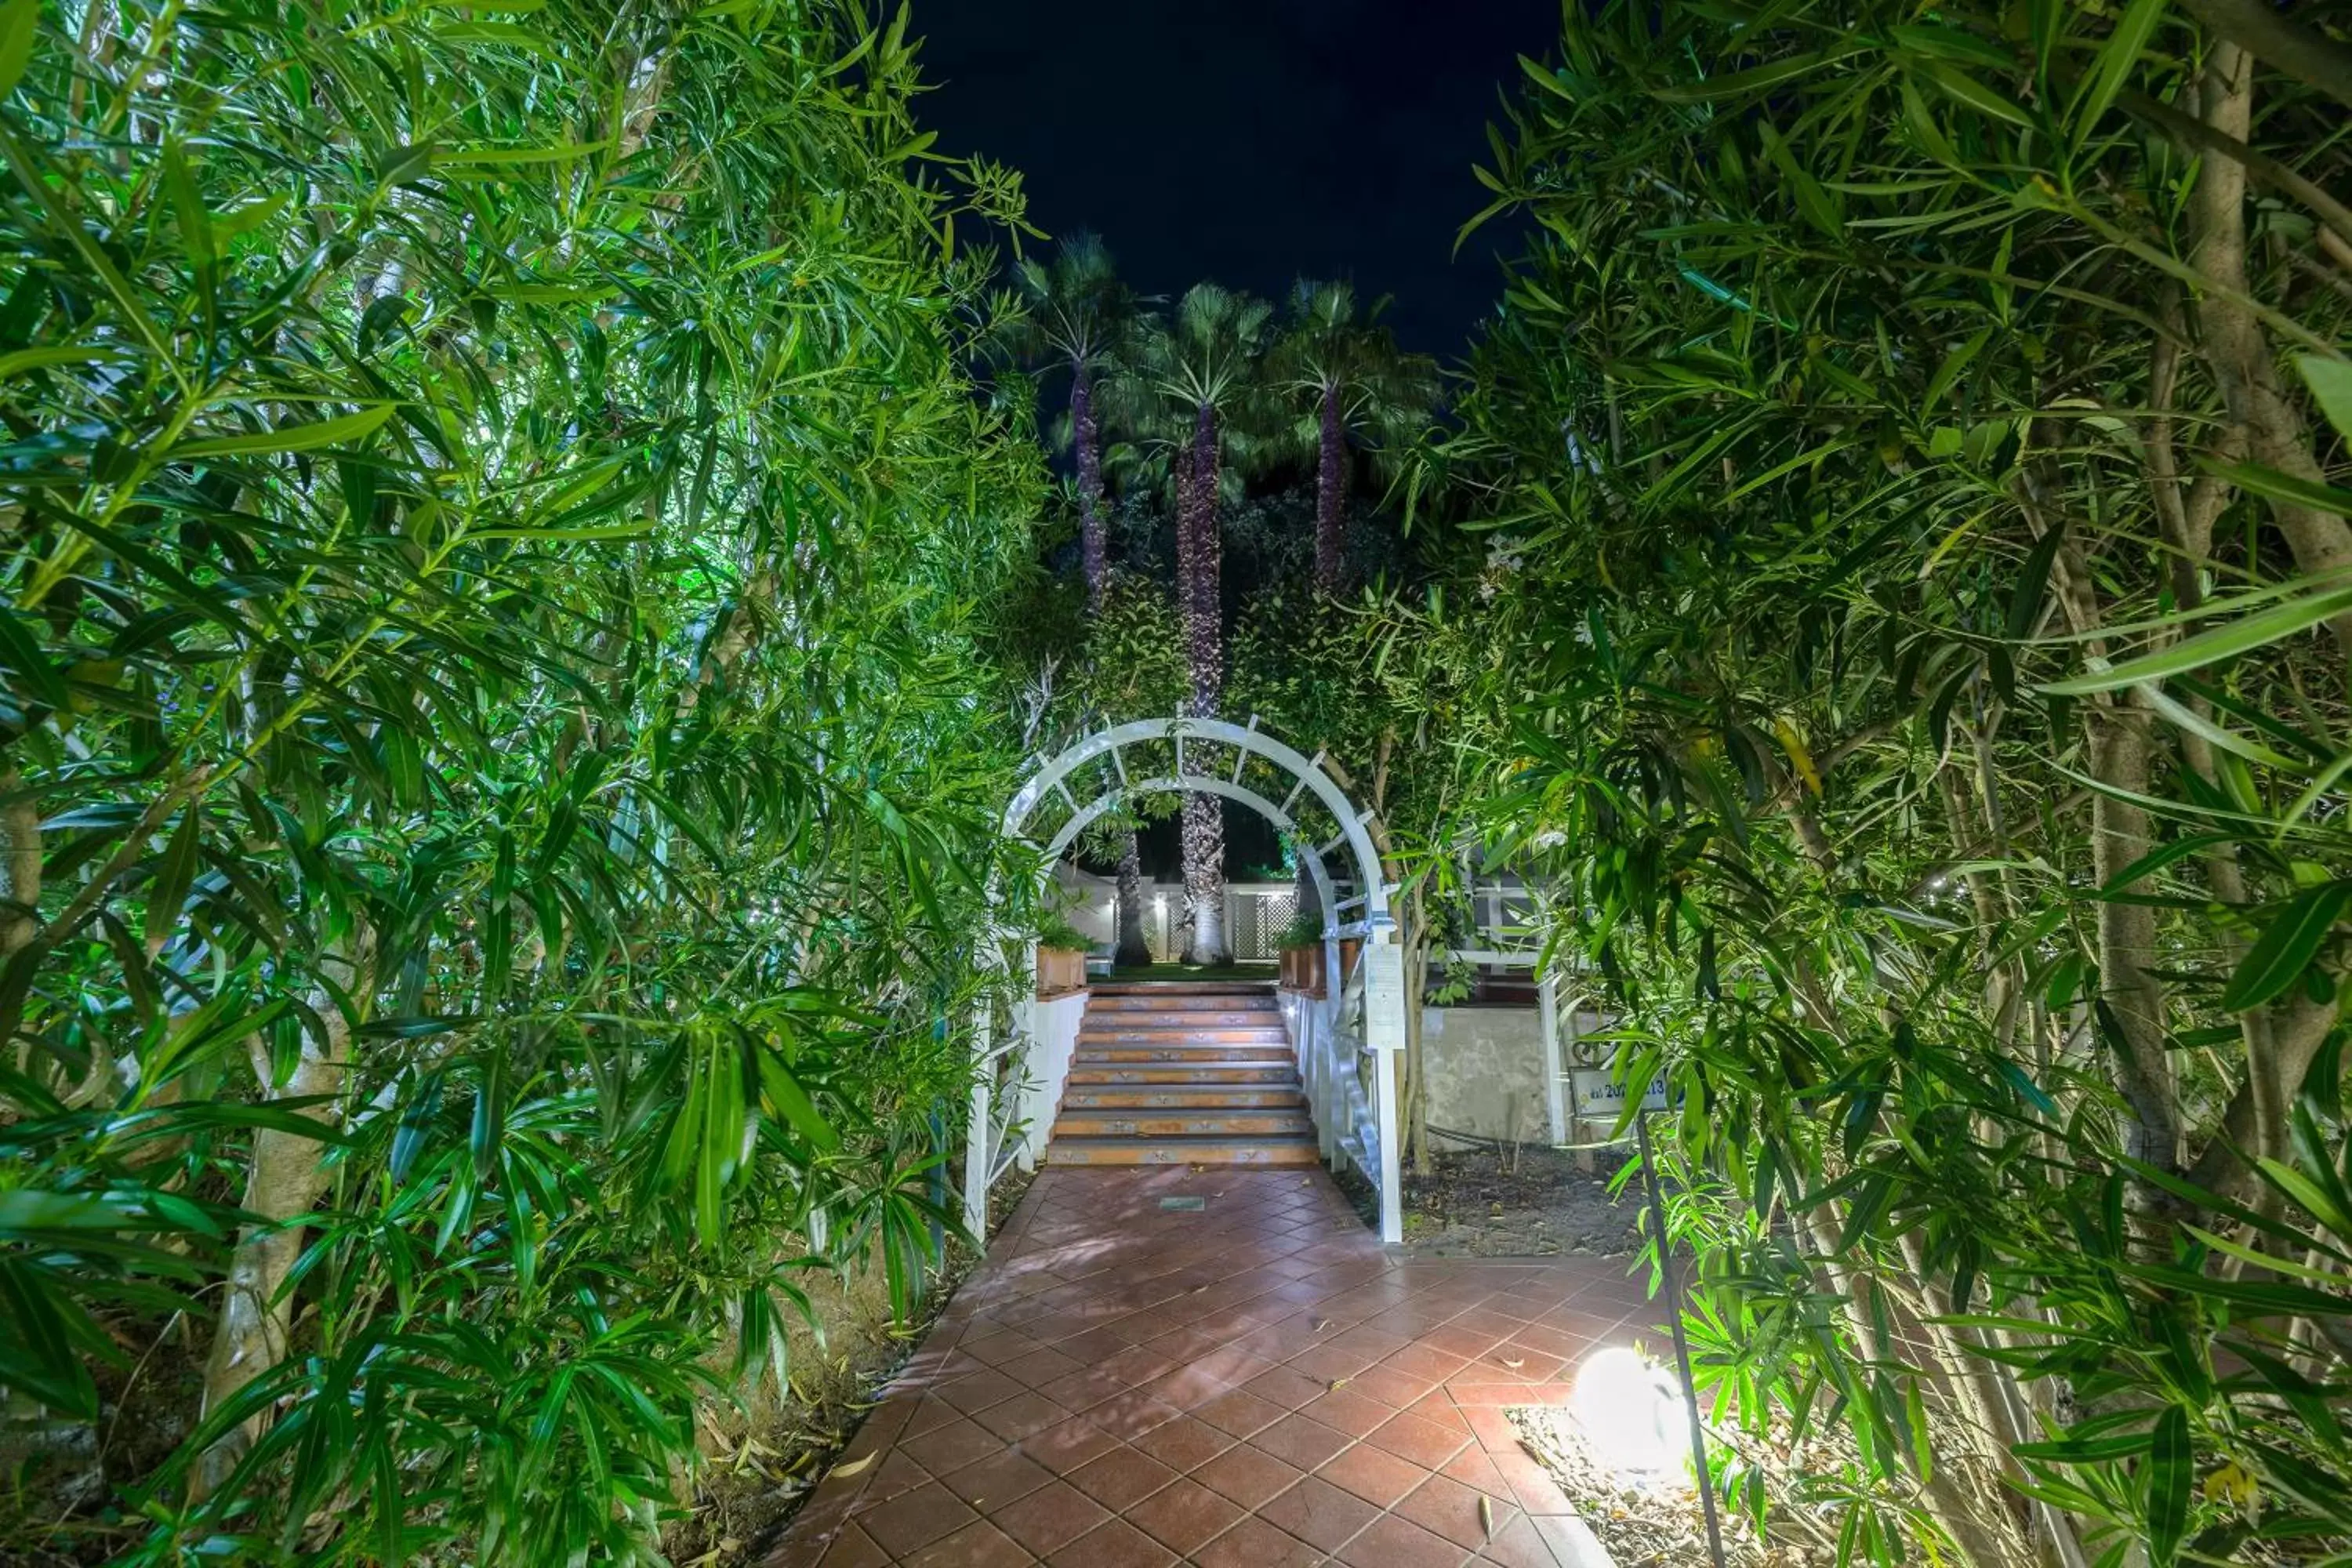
[1326,1039]
[1016,1091]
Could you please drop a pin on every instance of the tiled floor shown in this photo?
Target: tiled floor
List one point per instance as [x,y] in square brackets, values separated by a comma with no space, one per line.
[1250,1384]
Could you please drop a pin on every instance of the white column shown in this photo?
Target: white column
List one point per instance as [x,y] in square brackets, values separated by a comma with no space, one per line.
[1548,1028]
[975,1149]
[1384,1091]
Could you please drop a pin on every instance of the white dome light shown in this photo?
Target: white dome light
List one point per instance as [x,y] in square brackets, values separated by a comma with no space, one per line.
[1633,1414]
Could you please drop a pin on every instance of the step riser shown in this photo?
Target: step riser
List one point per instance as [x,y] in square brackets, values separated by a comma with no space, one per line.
[1178,1021]
[1206,1038]
[1251,1073]
[1208,1152]
[1144,1124]
[1231,1098]
[1180,1056]
[1212,1001]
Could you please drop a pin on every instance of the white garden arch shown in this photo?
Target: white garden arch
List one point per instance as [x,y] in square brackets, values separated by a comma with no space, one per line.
[1361,1015]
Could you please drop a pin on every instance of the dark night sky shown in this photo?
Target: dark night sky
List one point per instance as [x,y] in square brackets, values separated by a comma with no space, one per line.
[1249,142]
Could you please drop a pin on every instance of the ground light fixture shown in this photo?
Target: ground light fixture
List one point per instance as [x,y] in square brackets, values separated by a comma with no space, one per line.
[1633,1414]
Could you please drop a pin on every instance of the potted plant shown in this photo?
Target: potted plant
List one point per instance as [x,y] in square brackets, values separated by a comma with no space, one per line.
[1061,957]
[1301,948]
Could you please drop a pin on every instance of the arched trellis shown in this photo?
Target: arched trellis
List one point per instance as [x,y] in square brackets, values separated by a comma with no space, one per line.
[1364,1133]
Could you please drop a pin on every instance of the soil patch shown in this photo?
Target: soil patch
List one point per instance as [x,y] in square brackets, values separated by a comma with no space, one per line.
[1511,1203]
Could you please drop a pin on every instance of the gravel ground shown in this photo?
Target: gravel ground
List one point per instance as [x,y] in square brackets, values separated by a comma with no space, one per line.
[1656,1524]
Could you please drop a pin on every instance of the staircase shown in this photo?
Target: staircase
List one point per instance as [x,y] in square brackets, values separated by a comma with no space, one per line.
[1182,1075]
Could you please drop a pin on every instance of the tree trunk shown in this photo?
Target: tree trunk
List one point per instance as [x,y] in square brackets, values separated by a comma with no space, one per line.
[20,864]
[1197,568]
[286,1175]
[2233,340]
[1134,950]
[1329,498]
[1086,436]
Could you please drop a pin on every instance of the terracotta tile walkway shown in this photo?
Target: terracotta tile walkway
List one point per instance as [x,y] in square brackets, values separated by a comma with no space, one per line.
[1253,1383]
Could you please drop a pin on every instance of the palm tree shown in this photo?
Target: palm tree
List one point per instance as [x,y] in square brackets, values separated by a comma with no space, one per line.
[1199,367]
[1081,318]
[1346,379]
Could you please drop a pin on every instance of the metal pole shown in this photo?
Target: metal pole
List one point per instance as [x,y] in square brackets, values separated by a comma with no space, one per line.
[1682,1342]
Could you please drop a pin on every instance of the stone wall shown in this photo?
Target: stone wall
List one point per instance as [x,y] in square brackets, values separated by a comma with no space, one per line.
[1486,1072]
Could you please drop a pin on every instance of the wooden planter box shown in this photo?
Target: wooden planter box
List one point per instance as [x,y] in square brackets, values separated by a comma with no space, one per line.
[1061,970]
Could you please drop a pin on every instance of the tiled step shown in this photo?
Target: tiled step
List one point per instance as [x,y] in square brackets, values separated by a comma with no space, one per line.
[1274,1150]
[1255,1073]
[1182,1074]
[1228,1122]
[1275,1052]
[1183,1018]
[1181,1038]
[1183,1095]
[1152,999]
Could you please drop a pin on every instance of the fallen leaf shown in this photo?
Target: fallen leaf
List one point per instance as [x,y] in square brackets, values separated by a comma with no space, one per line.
[1338,1383]
[1514,1363]
[1486,1515]
[853,1467]
[1321,1324]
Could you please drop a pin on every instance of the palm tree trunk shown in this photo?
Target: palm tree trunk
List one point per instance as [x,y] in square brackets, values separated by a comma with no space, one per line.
[1196,567]
[1330,497]
[1086,435]
[1134,947]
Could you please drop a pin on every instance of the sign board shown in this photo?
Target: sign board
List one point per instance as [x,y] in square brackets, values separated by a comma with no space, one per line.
[1600,1098]
[1384,995]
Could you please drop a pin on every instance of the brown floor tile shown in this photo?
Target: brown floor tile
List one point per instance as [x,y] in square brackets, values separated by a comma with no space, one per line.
[952,1448]
[976,1393]
[1068,1445]
[1121,1478]
[1114,1545]
[1040,1367]
[1425,1443]
[999,1478]
[1450,1510]
[1393,1543]
[1170,1331]
[853,1548]
[1287,1388]
[1300,1441]
[1017,1418]
[1390,1386]
[1344,1410]
[1183,1516]
[1239,1413]
[1129,1415]
[1253,1543]
[1184,1443]
[1379,1478]
[1049,1517]
[1318,1513]
[980,1545]
[916,1518]
[1248,1475]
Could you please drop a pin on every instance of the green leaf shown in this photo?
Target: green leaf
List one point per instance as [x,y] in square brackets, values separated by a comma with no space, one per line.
[2227,641]
[349,429]
[2171,1470]
[20,25]
[2330,381]
[2025,601]
[2119,58]
[2287,947]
